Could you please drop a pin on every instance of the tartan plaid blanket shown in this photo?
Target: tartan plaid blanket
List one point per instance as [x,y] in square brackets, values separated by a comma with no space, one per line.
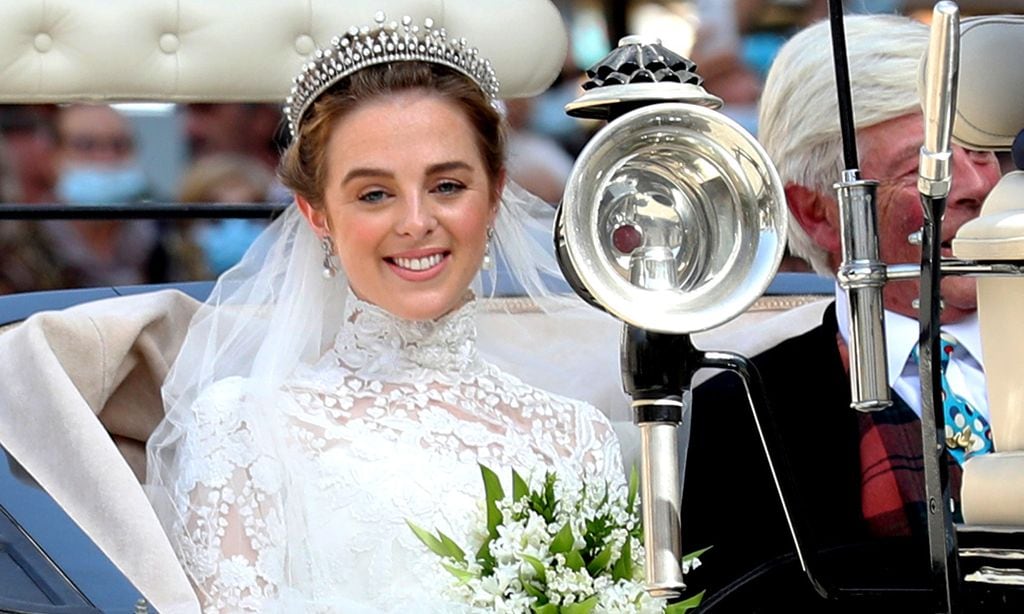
[892,473]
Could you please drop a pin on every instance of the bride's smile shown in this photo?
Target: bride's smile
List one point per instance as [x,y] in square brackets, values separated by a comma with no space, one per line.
[419,265]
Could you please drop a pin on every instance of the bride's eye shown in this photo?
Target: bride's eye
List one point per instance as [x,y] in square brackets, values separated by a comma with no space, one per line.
[373,196]
[449,187]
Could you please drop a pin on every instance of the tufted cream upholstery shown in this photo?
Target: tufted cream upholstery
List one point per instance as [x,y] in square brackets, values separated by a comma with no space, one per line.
[237,50]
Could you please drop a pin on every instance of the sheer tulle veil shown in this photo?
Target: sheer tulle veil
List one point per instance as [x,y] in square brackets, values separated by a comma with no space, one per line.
[275,311]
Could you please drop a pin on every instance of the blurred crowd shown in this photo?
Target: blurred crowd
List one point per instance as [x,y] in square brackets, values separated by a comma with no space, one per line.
[89,155]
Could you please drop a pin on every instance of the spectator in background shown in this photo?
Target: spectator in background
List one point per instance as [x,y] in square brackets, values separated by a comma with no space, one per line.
[208,248]
[97,166]
[253,130]
[239,128]
[30,144]
[535,161]
[27,176]
[718,53]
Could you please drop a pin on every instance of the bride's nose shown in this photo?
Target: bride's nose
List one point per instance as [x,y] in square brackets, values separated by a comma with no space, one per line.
[416,217]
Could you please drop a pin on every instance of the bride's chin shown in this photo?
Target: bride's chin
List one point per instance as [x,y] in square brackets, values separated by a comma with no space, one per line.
[420,308]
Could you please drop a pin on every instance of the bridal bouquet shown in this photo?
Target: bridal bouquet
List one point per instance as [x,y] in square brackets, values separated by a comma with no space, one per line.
[554,548]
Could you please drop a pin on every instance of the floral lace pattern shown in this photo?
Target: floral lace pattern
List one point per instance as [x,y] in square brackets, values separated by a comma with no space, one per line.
[298,499]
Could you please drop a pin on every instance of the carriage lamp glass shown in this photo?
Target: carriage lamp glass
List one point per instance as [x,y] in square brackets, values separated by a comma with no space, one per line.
[673,219]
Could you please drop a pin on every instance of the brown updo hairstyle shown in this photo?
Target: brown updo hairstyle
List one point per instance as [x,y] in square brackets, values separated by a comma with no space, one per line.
[303,167]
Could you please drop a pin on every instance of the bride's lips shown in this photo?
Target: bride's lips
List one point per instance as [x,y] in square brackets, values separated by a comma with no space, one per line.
[418,265]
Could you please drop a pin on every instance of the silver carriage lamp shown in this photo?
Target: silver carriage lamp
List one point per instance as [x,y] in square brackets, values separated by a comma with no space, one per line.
[674,221]
[673,218]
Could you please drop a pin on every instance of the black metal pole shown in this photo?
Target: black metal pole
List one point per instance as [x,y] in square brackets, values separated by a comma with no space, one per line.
[935,177]
[842,68]
[941,533]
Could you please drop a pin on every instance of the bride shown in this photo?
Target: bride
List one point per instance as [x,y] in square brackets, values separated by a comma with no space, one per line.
[332,390]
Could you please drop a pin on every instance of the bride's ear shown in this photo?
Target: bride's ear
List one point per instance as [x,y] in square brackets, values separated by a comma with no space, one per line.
[498,190]
[314,215]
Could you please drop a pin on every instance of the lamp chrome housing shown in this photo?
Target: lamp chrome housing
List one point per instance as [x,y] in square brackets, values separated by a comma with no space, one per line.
[673,219]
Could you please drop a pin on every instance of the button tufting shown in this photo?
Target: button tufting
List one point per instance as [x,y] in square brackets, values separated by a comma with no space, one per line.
[43,42]
[169,43]
[305,44]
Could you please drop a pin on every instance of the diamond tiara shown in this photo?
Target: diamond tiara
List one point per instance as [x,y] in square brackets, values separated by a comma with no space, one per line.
[385,42]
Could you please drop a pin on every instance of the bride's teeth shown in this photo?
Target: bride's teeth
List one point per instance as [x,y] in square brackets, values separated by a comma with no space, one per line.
[419,264]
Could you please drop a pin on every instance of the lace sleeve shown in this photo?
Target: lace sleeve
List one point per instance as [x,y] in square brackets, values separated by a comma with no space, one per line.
[601,455]
[226,495]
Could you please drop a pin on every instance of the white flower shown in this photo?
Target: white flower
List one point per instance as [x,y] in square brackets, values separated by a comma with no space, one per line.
[690,564]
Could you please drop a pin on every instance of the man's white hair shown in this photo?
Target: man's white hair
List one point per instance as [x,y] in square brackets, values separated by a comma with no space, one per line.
[799,118]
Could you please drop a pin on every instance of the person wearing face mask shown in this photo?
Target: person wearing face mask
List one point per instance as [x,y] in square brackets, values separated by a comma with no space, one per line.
[205,249]
[97,166]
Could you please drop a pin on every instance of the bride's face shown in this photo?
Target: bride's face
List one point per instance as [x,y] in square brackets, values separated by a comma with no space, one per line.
[408,203]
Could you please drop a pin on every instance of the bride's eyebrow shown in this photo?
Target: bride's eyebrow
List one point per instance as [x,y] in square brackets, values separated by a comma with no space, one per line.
[356,173]
[445,167]
[433,169]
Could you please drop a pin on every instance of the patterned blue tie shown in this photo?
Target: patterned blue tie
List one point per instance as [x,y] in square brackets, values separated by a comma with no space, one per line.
[967,431]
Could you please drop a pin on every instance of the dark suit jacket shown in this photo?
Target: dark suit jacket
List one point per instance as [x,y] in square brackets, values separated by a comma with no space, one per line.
[729,497]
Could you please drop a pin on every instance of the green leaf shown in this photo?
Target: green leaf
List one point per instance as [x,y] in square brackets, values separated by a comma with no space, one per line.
[442,545]
[536,592]
[600,561]
[583,607]
[547,608]
[485,558]
[452,548]
[623,569]
[494,493]
[549,497]
[634,486]
[519,487]
[697,554]
[462,575]
[429,540]
[563,541]
[685,605]
[538,566]
[574,561]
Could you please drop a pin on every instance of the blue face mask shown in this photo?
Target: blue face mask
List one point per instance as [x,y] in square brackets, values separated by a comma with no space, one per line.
[101,185]
[224,242]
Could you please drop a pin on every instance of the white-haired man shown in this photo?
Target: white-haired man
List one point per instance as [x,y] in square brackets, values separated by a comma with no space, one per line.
[859,474]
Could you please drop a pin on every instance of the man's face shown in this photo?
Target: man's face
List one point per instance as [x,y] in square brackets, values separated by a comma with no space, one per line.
[94,135]
[889,154]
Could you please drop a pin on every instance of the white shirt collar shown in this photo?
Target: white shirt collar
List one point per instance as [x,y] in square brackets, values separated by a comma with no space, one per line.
[901,334]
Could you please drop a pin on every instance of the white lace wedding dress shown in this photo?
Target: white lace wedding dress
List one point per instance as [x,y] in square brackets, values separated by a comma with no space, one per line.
[305,509]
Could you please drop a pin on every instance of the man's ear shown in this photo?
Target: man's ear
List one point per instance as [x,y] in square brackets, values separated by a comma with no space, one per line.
[314,215]
[817,214]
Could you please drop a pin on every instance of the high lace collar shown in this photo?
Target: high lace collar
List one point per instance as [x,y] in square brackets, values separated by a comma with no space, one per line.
[375,343]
